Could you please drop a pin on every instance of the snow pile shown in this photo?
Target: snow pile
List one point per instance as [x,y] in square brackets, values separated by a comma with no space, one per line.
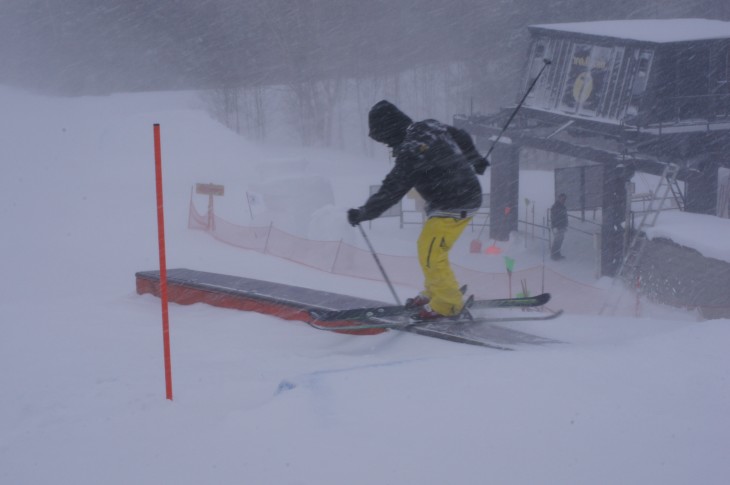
[291,201]
[707,234]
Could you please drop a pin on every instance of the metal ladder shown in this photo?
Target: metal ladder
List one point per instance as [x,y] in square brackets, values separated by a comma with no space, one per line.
[628,270]
[667,189]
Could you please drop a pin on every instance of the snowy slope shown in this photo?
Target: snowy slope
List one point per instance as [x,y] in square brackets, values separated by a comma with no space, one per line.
[262,400]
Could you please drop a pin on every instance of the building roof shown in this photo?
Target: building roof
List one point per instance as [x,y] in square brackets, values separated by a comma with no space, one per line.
[649,30]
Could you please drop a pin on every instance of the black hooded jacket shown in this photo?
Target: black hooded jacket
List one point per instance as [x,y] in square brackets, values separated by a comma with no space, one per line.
[440,161]
[559,215]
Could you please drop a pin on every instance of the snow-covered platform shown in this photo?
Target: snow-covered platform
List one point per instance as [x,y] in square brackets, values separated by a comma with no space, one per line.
[186,286]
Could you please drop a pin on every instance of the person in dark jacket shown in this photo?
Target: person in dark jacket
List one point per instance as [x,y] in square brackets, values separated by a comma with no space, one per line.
[559,225]
[441,163]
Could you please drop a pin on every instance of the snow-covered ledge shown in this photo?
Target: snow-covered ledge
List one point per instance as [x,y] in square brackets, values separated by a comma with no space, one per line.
[709,235]
[686,263]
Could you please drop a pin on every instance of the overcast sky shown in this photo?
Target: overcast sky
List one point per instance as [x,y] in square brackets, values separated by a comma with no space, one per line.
[87,46]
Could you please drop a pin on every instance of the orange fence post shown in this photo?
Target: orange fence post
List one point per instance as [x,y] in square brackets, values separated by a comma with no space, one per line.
[163,263]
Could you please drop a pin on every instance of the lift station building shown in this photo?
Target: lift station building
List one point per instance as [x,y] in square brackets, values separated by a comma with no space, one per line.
[626,96]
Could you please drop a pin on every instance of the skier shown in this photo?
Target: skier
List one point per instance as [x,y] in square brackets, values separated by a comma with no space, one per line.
[442,164]
[559,225]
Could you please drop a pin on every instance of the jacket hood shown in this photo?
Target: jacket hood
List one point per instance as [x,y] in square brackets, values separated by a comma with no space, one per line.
[388,124]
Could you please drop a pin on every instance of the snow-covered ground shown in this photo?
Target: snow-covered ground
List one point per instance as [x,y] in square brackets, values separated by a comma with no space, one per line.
[261,400]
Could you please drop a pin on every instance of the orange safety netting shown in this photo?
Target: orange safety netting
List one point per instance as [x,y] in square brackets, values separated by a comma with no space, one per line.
[340,258]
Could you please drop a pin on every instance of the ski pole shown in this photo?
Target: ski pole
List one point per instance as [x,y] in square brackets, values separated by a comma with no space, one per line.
[380,266]
[547,63]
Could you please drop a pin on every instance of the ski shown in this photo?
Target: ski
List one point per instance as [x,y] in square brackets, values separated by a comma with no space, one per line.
[521,302]
[402,323]
[399,310]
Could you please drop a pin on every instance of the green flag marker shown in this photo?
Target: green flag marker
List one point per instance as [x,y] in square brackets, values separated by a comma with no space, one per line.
[509,263]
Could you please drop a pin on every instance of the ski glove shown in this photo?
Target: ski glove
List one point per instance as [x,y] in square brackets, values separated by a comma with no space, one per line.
[481,165]
[354,216]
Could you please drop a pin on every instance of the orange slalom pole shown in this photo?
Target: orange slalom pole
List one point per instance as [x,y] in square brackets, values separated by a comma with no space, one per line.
[163,263]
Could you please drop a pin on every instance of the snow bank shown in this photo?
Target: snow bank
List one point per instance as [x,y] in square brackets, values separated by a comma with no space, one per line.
[707,234]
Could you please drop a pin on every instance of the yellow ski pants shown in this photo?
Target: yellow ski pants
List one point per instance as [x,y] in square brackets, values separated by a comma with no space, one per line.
[437,237]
